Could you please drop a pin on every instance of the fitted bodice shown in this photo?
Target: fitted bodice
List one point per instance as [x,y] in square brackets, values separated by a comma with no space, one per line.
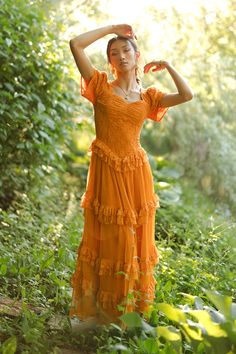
[118,122]
[118,125]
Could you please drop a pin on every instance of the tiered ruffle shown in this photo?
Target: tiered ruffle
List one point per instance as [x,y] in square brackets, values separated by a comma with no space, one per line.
[117,255]
[120,190]
[135,272]
[115,268]
[109,215]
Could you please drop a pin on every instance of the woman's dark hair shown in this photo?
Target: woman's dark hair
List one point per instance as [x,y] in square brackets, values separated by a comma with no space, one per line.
[134,45]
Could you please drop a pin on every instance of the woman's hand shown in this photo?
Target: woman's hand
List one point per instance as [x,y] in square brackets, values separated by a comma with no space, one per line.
[158,65]
[124,30]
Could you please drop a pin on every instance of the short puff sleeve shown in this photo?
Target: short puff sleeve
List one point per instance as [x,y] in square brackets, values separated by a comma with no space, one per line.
[93,88]
[156,112]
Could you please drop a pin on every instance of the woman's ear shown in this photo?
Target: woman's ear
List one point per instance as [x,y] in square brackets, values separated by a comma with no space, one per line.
[113,70]
[137,54]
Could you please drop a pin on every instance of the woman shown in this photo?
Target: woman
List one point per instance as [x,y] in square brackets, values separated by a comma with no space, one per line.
[117,254]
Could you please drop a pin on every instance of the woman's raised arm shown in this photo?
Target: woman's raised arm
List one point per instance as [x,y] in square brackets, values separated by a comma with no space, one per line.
[184,91]
[79,43]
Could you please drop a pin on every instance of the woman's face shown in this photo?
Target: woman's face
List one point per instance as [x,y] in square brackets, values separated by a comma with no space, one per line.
[122,55]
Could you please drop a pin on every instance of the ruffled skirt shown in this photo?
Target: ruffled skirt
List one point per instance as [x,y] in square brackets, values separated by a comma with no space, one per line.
[117,253]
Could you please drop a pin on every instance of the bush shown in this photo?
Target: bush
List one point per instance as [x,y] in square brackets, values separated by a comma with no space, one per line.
[35,105]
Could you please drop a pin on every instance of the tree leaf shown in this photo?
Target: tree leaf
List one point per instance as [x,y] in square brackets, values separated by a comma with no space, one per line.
[131,319]
[222,302]
[9,346]
[8,42]
[169,333]
[172,313]
[204,318]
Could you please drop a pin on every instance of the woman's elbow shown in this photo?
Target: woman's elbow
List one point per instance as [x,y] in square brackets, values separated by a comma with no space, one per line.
[72,42]
[188,96]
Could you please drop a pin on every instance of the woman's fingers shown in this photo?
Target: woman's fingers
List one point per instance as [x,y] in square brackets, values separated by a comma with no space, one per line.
[146,70]
[131,34]
[147,67]
[125,30]
[158,65]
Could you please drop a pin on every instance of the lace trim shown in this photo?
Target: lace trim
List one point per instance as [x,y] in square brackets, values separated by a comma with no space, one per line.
[121,164]
[119,216]
[77,281]
[104,266]
[147,288]
[108,299]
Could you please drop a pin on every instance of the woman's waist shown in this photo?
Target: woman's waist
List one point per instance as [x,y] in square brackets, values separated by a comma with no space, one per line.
[118,160]
[118,149]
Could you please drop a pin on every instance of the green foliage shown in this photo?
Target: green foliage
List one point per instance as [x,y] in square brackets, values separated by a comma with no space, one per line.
[210,159]
[27,229]
[199,135]
[35,102]
[32,329]
[196,241]
[39,236]
[214,331]
[9,346]
[194,328]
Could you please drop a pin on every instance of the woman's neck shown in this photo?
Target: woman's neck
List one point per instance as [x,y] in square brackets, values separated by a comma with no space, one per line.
[127,81]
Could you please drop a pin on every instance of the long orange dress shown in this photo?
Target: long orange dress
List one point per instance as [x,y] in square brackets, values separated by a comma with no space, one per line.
[117,253]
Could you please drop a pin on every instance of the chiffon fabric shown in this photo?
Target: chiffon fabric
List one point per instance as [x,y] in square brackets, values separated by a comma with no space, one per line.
[117,254]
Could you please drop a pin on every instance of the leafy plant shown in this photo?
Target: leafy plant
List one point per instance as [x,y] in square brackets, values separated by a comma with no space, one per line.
[35,104]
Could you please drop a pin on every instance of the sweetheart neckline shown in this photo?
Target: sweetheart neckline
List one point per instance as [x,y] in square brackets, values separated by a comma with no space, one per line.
[123,99]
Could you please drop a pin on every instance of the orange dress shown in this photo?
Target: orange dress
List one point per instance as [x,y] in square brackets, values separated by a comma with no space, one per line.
[117,253]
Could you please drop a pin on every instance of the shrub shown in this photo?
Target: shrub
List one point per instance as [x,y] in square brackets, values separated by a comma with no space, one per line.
[35,103]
